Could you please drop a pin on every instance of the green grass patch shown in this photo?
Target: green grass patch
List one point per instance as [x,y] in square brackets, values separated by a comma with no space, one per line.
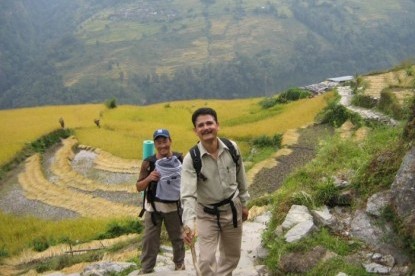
[322,237]
[38,146]
[313,186]
[336,265]
[39,234]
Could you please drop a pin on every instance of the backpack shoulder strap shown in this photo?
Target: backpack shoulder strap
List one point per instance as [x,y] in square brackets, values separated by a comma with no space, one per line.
[152,162]
[179,156]
[232,150]
[197,161]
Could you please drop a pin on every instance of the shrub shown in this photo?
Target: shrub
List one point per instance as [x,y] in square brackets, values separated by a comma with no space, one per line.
[268,102]
[389,104]
[116,229]
[381,170]
[325,194]
[364,101]
[40,244]
[336,114]
[293,94]
[359,84]
[302,198]
[111,103]
[3,252]
[266,141]
[409,131]
[40,145]
[44,142]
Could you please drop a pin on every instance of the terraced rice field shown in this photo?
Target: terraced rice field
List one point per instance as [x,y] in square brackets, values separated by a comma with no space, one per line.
[55,182]
[398,81]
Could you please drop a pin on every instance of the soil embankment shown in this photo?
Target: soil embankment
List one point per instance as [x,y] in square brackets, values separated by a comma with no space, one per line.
[303,150]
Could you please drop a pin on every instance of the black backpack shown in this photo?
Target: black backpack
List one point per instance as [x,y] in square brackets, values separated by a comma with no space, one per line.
[197,162]
[151,190]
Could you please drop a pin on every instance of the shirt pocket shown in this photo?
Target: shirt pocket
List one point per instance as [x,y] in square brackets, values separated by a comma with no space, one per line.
[231,174]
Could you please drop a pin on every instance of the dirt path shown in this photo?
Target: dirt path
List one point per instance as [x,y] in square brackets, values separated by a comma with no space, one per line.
[346,95]
[269,179]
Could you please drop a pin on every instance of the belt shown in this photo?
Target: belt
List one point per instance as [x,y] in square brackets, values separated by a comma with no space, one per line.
[215,211]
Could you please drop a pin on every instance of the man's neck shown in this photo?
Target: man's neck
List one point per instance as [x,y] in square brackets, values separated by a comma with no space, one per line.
[211,146]
[159,156]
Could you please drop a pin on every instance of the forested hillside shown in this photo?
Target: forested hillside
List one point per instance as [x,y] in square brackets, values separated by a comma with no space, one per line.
[139,52]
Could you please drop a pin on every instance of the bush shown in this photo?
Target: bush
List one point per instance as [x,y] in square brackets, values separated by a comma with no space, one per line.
[116,229]
[389,104]
[268,102]
[326,194]
[265,141]
[293,94]
[3,252]
[409,131]
[302,198]
[40,145]
[364,101]
[379,173]
[359,84]
[40,244]
[335,115]
[111,103]
[44,142]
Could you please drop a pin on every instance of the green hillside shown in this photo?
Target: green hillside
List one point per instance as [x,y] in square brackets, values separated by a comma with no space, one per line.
[155,51]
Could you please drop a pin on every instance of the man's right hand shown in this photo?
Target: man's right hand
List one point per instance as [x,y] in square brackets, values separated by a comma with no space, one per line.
[188,235]
[154,176]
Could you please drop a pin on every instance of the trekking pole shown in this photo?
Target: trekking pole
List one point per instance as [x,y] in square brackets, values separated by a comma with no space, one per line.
[194,257]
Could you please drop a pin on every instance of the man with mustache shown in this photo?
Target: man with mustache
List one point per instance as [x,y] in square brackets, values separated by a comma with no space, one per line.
[215,197]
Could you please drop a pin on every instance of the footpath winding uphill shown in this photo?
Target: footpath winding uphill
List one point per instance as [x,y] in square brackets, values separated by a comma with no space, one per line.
[346,99]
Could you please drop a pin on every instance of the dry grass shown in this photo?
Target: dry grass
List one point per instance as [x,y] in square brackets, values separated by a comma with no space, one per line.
[67,177]
[107,162]
[30,255]
[394,79]
[36,187]
[349,131]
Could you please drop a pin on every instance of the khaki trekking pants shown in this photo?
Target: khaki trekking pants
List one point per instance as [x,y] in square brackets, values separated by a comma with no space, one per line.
[228,240]
[151,239]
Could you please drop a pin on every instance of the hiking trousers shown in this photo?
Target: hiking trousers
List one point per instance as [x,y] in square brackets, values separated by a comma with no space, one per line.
[151,239]
[210,237]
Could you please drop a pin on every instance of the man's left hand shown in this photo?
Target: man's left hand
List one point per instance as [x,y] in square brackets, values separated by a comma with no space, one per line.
[245,213]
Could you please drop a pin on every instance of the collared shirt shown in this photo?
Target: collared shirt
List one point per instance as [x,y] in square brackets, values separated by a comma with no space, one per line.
[223,180]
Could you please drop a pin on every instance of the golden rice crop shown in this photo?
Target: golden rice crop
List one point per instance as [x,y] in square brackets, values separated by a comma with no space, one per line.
[123,129]
[21,126]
